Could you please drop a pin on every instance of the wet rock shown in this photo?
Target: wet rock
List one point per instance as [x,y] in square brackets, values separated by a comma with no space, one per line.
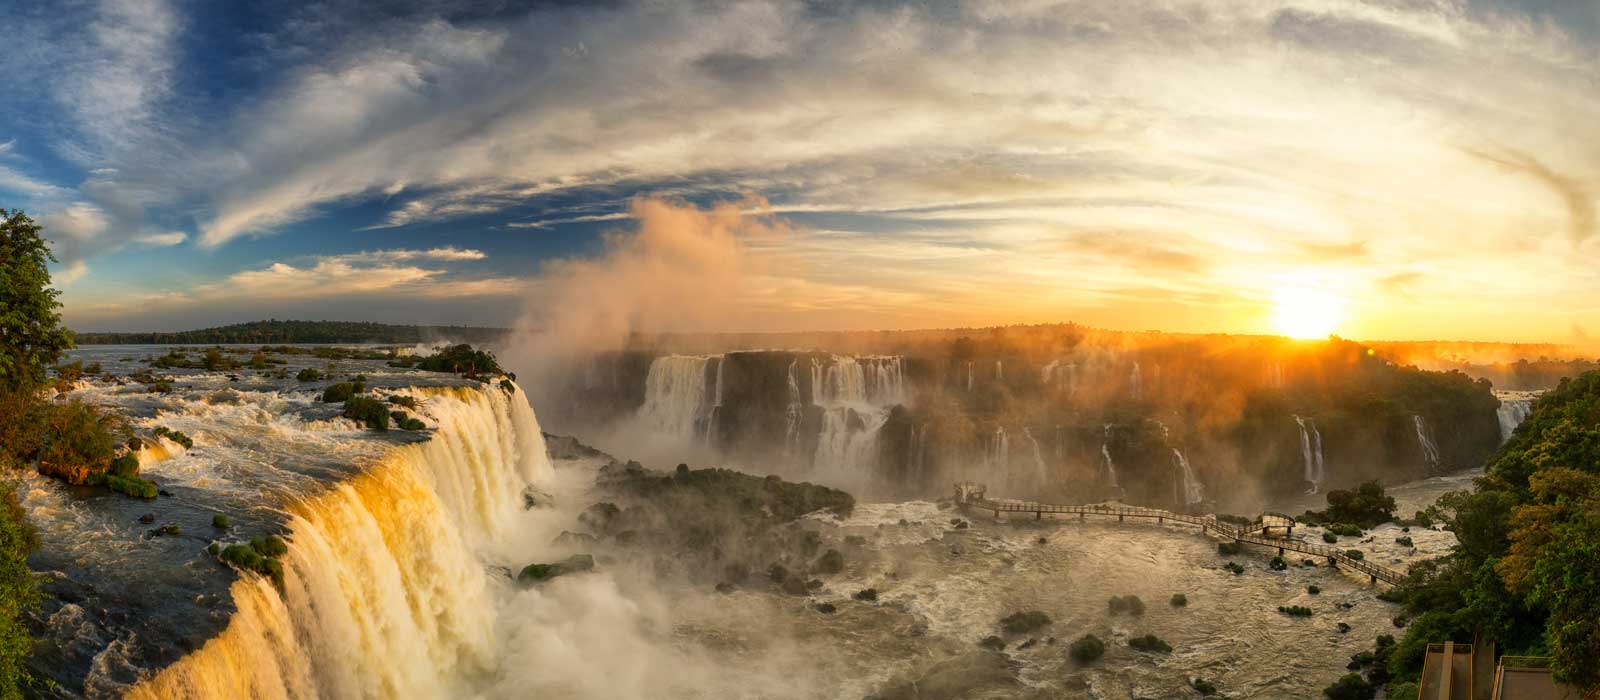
[831,562]
[1028,644]
[867,595]
[726,588]
[794,585]
[978,674]
[826,608]
[147,518]
[568,538]
[600,517]
[993,642]
[855,540]
[1343,628]
[539,573]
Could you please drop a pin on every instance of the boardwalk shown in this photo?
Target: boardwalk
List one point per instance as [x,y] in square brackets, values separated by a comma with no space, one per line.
[1270,530]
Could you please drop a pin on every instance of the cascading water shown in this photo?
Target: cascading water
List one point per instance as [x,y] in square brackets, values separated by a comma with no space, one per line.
[675,396]
[1111,464]
[1041,473]
[1135,383]
[793,414]
[1430,451]
[856,398]
[997,457]
[383,595]
[999,371]
[1311,453]
[709,438]
[1047,373]
[1512,411]
[1192,492]
[969,376]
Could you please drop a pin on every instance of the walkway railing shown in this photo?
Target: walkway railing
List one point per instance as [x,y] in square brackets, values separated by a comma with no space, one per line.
[1257,532]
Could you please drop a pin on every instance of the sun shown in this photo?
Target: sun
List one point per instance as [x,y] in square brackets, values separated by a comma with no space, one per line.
[1304,312]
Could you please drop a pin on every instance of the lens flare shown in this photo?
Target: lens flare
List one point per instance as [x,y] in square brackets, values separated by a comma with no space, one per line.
[1304,312]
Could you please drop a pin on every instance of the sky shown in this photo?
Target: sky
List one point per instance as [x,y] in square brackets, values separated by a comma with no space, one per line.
[1404,169]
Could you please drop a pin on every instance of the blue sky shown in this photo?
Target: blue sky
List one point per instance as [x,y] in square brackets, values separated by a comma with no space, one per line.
[1433,165]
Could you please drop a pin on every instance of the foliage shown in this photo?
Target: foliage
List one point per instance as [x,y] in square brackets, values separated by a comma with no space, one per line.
[1350,687]
[31,336]
[1355,554]
[461,359]
[1234,567]
[1203,686]
[77,438]
[269,546]
[1179,600]
[126,465]
[367,412]
[1329,537]
[1313,589]
[402,400]
[538,573]
[309,374]
[1365,506]
[337,393]
[221,522]
[17,592]
[1087,649]
[130,485]
[1345,529]
[173,435]
[275,331]
[1150,643]
[831,562]
[1295,610]
[1024,622]
[1129,604]
[1405,541]
[1229,549]
[1278,564]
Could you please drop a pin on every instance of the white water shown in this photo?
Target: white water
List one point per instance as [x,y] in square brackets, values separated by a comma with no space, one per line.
[1111,464]
[1430,451]
[999,371]
[1135,383]
[856,395]
[1514,409]
[793,414]
[1314,471]
[384,594]
[1041,473]
[1193,492]
[675,396]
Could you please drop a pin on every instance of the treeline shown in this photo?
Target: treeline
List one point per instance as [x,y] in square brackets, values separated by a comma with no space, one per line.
[275,331]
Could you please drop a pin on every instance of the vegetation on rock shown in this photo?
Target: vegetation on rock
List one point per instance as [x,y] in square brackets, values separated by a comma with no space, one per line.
[1087,649]
[1150,643]
[1024,622]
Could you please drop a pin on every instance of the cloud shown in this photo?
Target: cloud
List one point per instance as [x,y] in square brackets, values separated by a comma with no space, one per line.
[1580,202]
[161,240]
[69,274]
[446,253]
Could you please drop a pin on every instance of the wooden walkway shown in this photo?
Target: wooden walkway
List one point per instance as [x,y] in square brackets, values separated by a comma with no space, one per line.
[1269,530]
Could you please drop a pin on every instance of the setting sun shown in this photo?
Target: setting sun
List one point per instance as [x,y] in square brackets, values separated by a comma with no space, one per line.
[1303,312]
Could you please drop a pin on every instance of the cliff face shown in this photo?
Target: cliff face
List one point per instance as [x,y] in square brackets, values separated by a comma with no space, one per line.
[1151,425]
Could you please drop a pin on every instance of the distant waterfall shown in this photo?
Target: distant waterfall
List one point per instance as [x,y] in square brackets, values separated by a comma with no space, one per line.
[1041,473]
[383,593]
[999,371]
[1193,492]
[856,395]
[794,414]
[1311,453]
[969,376]
[917,455]
[1430,451]
[1111,464]
[1511,414]
[1072,379]
[675,395]
[1135,383]
[997,457]
[709,438]
[1047,373]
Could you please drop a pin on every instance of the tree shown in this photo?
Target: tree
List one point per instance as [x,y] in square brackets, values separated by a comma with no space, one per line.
[31,335]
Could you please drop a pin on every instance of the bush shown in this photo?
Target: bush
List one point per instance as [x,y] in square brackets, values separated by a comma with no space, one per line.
[1330,538]
[993,642]
[1404,541]
[367,412]
[407,401]
[242,556]
[1229,549]
[405,422]
[831,562]
[1179,600]
[1355,554]
[131,485]
[461,359]
[221,522]
[866,595]
[1295,610]
[1344,530]
[1278,564]
[1203,686]
[1313,589]
[1087,649]
[1024,622]
[1235,568]
[1126,604]
[1365,506]
[126,465]
[77,440]
[269,546]
[1150,643]
[1351,687]
[309,374]
[336,393]
[1401,691]
[173,435]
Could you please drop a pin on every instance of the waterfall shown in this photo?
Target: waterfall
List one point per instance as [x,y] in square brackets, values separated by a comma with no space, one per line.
[1193,491]
[1041,473]
[856,395]
[383,596]
[969,376]
[1311,453]
[1430,451]
[849,439]
[1072,379]
[794,414]
[885,380]
[1111,464]
[1048,374]
[675,395]
[710,436]
[1512,412]
[999,371]
[997,456]
[917,455]
[1135,383]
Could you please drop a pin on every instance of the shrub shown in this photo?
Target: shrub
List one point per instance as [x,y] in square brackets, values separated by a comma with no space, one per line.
[1404,541]
[77,439]
[131,485]
[126,465]
[461,359]
[831,562]
[221,522]
[407,401]
[1235,568]
[1344,530]
[1126,604]
[868,595]
[1329,537]
[242,556]
[1402,690]
[173,435]
[336,393]
[1278,564]
[309,374]
[269,546]
[993,642]
[1313,589]
[1350,687]
[1087,649]
[1365,506]
[1150,643]
[1295,610]
[1229,549]
[1024,622]
[1203,686]
[408,423]
[1179,600]
[368,412]
[1355,554]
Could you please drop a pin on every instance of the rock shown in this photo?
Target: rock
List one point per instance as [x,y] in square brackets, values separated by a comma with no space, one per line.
[794,585]
[600,517]
[1343,628]
[993,642]
[726,588]
[165,492]
[539,573]
[867,595]
[147,518]
[978,674]
[831,562]
[568,538]
[826,608]
[855,540]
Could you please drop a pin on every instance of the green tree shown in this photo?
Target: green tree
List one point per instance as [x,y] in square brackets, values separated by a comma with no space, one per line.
[17,593]
[31,335]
